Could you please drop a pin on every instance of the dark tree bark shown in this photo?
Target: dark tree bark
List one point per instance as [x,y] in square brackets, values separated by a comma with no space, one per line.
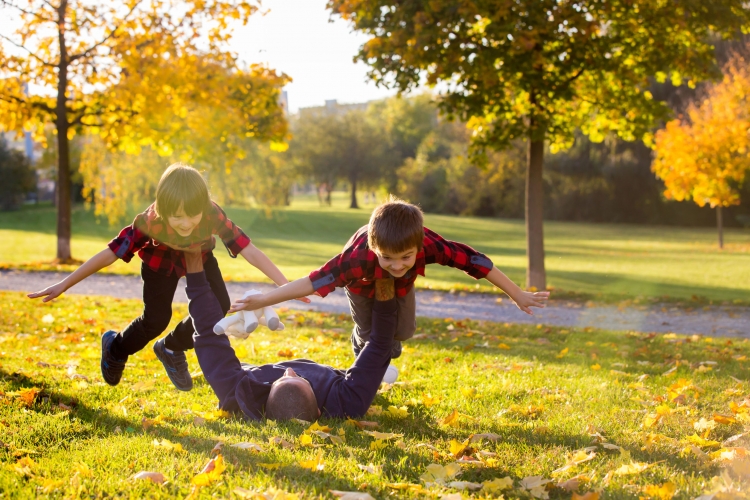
[63,149]
[353,182]
[720,226]
[535,273]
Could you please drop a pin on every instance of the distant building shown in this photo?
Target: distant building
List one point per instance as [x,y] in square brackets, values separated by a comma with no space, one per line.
[284,101]
[333,107]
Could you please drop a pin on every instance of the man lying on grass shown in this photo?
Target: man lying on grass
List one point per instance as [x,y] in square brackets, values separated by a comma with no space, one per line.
[298,388]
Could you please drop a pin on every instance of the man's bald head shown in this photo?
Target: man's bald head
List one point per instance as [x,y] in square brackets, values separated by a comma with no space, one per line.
[292,396]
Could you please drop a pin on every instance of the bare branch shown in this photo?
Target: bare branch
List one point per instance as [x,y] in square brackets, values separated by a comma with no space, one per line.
[111,34]
[6,3]
[35,104]
[575,77]
[45,63]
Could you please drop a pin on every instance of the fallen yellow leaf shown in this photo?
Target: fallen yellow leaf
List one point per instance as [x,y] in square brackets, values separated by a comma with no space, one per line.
[428,400]
[314,464]
[659,492]
[382,435]
[211,472]
[632,468]
[591,495]
[451,420]
[497,484]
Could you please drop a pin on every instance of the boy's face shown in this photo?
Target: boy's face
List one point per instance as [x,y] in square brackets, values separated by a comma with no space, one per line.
[183,223]
[397,263]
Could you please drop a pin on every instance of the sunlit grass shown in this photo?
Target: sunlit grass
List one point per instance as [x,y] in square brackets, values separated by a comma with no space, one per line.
[545,393]
[598,261]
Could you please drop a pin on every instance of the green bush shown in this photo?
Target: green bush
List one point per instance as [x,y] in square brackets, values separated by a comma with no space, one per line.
[18,177]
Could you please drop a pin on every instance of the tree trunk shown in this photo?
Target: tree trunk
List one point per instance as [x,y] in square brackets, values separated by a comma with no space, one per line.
[353,181]
[535,274]
[63,150]
[720,226]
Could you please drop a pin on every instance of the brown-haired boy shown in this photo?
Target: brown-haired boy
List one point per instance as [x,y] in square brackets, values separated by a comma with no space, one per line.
[394,243]
[183,218]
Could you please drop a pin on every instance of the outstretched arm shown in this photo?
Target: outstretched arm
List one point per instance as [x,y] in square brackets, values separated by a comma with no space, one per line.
[524,300]
[292,290]
[96,263]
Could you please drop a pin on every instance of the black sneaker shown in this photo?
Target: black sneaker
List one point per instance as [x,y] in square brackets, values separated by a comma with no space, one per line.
[112,368]
[176,366]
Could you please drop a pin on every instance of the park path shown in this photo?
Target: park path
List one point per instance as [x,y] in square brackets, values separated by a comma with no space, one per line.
[714,321]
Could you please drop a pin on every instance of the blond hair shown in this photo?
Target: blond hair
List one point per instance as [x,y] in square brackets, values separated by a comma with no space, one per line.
[395,226]
[181,186]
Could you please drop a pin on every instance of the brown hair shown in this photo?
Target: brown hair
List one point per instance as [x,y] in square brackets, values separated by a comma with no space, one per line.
[395,226]
[181,185]
[287,401]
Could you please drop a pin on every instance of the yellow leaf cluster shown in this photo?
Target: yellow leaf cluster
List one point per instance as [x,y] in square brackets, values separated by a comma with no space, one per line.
[704,156]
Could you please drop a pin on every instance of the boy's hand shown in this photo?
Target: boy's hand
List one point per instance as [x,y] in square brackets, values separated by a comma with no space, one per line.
[251,303]
[49,293]
[525,300]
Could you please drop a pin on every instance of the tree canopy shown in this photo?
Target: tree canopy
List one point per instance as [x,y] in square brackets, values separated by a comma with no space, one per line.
[705,156]
[538,70]
[133,73]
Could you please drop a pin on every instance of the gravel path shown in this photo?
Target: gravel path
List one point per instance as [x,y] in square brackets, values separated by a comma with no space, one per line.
[715,321]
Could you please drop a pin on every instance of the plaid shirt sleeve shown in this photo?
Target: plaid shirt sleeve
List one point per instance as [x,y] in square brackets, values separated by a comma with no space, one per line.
[332,275]
[451,253]
[129,241]
[344,268]
[229,232]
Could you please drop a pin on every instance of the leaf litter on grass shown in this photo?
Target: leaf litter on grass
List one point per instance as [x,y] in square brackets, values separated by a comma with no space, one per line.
[700,416]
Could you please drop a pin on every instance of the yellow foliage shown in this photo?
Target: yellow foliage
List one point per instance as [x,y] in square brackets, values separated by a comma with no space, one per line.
[704,156]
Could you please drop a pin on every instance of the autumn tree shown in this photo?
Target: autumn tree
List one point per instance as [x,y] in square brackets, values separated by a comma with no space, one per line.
[537,70]
[705,156]
[218,129]
[108,67]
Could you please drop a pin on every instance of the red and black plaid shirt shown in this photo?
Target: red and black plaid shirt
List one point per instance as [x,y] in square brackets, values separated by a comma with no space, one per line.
[357,266]
[149,235]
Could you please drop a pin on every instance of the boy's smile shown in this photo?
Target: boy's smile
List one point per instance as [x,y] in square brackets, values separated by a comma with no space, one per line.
[397,263]
[183,223]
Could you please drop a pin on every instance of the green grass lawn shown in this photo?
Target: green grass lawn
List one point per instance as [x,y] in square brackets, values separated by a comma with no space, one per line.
[600,261]
[626,415]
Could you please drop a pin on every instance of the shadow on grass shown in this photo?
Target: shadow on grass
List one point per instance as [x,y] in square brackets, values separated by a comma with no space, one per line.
[71,420]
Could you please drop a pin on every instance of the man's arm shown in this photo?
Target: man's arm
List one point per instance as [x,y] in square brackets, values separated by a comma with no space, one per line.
[217,359]
[354,394]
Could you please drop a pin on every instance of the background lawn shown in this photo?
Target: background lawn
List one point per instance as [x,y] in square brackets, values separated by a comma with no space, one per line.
[662,404]
[603,261]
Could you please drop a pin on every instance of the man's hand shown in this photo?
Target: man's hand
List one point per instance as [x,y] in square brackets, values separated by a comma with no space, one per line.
[194,260]
[385,289]
[525,300]
[49,293]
